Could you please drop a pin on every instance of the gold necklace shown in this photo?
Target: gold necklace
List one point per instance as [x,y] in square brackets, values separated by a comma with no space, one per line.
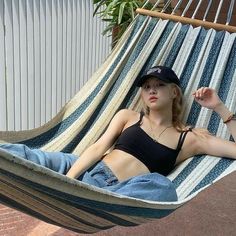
[153,133]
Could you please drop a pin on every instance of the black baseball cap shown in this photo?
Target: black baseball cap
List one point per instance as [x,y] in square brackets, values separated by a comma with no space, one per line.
[163,73]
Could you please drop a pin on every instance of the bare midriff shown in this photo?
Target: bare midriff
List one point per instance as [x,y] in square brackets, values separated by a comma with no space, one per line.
[124,165]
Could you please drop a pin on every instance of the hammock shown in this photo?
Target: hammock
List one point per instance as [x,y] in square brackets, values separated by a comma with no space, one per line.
[201,57]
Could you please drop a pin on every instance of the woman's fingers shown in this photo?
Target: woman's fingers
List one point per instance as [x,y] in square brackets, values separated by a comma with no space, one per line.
[202,93]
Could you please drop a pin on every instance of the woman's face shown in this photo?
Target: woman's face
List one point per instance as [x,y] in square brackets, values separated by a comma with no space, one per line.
[157,94]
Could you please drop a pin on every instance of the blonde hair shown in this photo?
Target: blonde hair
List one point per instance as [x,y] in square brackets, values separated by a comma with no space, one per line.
[177,109]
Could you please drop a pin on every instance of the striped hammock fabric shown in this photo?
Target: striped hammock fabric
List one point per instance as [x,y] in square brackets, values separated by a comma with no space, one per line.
[200,57]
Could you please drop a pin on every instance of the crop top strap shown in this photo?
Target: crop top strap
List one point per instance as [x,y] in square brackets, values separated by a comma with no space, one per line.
[182,138]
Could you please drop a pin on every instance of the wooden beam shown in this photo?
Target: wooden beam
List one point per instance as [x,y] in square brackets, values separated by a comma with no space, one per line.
[186,20]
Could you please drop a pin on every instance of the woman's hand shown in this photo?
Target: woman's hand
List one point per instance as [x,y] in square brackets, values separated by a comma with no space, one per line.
[207,97]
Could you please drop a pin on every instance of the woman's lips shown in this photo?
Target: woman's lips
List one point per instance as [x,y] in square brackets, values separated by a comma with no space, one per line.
[153,98]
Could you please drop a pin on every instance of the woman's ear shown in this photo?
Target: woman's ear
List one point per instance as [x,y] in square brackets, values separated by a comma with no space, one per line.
[174,92]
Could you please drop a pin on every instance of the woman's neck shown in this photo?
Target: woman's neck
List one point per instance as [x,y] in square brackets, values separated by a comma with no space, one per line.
[161,118]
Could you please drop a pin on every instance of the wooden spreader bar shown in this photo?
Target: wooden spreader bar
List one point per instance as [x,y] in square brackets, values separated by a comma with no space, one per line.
[186,20]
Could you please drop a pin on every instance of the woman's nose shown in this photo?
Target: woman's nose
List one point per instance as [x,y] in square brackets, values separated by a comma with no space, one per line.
[153,90]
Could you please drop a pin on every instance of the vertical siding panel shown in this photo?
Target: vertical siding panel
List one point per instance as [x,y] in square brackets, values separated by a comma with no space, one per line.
[3,102]
[87,41]
[54,58]
[59,53]
[31,62]
[68,50]
[37,74]
[43,59]
[23,66]
[9,65]
[98,42]
[64,38]
[83,60]
[48,59]
[16,51]
[73,46]
[90,38]
[78,44]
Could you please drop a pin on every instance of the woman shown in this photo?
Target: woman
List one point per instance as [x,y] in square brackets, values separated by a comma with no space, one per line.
[154,141]
[161,124]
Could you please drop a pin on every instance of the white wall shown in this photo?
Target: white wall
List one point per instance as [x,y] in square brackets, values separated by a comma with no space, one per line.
[48,50]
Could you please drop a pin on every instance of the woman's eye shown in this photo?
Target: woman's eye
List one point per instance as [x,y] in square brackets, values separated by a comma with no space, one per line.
[158,86]
[146,86]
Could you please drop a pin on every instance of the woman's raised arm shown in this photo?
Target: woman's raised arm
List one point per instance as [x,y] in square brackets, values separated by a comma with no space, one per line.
[207,97]
[211,145]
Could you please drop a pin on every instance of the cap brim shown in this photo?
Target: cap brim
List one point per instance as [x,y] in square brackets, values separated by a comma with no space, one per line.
[145,77]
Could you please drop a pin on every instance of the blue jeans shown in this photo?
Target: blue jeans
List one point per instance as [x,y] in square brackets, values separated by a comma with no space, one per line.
[152,186]
[99,175]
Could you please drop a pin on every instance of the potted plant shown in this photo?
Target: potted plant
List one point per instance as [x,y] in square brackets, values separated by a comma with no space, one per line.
[119,14]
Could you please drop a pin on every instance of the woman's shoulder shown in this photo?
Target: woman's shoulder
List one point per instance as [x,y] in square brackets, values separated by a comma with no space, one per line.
[199,132]
[195,133]
[194,130]
[128,115]
[195,138]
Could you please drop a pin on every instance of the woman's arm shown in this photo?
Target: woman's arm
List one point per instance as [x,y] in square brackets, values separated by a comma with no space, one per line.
[95,152]
[207,143]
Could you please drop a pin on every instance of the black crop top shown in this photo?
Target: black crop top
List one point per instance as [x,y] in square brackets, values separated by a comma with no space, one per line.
[155,156]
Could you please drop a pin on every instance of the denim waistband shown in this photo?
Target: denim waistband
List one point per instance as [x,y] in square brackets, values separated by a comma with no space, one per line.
[100,175]
[108,171]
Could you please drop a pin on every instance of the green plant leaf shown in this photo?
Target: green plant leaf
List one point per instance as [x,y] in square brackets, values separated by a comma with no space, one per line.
[96,1]
[107,19]
[100,12]
[110,7]
[98,6]
[131,8]
[136,4]
[121,11]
